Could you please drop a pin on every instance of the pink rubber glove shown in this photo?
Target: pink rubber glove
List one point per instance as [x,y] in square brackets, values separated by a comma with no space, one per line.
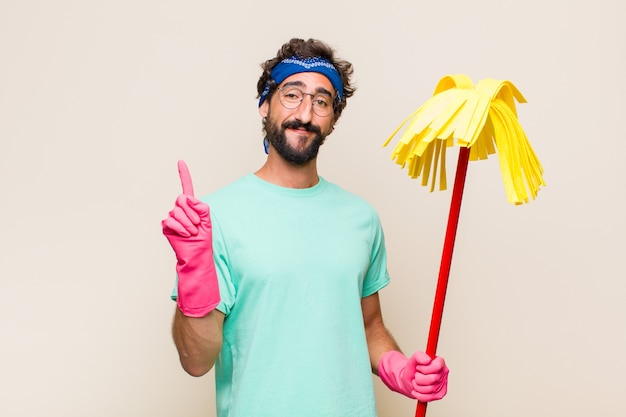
[418,377]
[188,229]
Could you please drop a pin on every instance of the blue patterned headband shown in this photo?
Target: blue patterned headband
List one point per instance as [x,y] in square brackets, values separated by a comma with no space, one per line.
[294,65]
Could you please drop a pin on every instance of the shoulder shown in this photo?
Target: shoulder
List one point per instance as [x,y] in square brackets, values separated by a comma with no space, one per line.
[347,204]
[341,194]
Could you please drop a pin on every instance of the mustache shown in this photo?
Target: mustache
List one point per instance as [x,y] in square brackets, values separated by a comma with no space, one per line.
[295,124]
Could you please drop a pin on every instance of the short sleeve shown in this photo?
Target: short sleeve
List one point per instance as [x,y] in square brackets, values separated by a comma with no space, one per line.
[377,276]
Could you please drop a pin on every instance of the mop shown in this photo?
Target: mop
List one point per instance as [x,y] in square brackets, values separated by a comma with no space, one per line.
[478,119]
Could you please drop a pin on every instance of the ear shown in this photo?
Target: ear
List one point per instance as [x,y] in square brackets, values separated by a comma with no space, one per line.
[264,109]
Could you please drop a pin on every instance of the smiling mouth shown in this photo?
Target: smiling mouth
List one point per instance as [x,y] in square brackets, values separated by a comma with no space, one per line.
[301,127]
[298,128]
[300,132]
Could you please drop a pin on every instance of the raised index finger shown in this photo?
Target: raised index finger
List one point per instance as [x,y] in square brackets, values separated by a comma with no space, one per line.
[185,178]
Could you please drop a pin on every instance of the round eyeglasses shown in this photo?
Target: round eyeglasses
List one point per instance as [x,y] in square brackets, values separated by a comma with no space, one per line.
[291,98]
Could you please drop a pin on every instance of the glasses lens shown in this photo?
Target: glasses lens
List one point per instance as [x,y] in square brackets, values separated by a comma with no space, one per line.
[322,105]
[291,97]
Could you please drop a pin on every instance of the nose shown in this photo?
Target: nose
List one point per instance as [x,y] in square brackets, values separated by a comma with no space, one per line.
[304,112]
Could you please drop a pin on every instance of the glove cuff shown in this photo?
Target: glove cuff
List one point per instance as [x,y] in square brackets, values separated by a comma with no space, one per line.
[390,371]
[198,289]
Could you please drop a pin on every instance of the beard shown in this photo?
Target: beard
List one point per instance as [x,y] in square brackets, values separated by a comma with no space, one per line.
[276,136]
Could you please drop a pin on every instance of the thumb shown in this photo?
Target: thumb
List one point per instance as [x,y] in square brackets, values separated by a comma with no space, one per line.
[421,358]
[199,207]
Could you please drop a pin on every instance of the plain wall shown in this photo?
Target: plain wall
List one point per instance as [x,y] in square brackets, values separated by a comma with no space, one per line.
[98,100]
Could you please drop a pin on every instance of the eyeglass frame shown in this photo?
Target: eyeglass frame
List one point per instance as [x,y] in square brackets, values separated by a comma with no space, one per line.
[334,100]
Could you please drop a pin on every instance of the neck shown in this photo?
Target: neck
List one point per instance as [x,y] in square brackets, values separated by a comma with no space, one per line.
[285,174]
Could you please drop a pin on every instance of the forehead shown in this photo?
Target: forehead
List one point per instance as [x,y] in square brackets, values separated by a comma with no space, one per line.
[313,81]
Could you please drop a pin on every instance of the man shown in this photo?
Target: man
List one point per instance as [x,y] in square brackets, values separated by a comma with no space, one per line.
[278,285]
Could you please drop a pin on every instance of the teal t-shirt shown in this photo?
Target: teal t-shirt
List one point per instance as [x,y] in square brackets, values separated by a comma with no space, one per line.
[293,265]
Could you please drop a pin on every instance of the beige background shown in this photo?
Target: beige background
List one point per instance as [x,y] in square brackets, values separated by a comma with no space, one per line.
[99,99]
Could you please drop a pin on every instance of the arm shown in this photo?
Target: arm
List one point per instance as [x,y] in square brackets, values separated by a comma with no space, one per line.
[379,339]
[418,376]
[198,340]
[197,327]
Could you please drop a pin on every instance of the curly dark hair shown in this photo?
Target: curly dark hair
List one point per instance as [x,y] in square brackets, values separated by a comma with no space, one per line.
[307,49]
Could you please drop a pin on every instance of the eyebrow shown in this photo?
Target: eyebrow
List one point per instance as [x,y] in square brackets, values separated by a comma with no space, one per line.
[318,90]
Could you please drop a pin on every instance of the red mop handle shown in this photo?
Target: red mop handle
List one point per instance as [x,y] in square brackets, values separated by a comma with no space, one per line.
[446,261]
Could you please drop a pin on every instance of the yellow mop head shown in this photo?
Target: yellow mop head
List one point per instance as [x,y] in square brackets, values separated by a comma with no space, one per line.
[482,117]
